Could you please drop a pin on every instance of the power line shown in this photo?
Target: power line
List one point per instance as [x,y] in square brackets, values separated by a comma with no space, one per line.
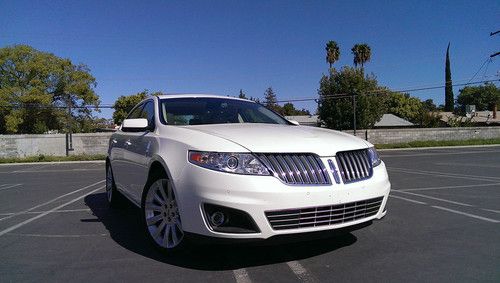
[482,65]
[331,96]
[336,96]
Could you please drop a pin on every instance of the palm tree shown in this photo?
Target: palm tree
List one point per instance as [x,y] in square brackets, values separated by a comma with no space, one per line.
[332,52]
[362,54]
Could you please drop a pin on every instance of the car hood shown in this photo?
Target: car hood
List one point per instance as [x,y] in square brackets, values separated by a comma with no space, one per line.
[284,138]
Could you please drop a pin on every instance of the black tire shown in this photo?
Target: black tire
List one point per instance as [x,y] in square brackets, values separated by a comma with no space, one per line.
[113,196]
[161,220]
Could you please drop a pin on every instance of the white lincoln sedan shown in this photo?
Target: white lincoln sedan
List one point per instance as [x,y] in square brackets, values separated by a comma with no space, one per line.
[230,168]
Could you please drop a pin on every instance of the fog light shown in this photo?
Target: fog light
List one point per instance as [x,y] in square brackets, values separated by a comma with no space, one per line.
[217,218]
[228,220]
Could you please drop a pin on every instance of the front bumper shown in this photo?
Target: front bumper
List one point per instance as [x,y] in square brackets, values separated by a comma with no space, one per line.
[257,194]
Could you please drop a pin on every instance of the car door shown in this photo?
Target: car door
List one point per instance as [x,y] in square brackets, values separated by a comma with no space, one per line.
[139,152]
[121,156]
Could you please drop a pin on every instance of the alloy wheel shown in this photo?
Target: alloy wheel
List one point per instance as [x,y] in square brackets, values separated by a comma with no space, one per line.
[162,215]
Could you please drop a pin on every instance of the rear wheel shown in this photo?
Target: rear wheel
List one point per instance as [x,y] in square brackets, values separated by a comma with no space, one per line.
[161,216]
[112,194]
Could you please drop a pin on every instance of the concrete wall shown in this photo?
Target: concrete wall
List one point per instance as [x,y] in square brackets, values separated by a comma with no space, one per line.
[382,136]
[55,144]
[97,143]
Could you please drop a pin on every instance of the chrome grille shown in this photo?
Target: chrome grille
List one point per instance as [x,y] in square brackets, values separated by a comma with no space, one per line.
[296,168]
[323,215]
[354,165]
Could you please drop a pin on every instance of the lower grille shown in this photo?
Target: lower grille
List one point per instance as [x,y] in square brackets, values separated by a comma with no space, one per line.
[323,215]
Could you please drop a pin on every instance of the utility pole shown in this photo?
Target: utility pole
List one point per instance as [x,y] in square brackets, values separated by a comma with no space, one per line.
[496,53]
[69,132]
[491,56]
[354,113]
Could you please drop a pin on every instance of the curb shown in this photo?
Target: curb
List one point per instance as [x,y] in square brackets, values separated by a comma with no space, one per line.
[438,147]
[53,162]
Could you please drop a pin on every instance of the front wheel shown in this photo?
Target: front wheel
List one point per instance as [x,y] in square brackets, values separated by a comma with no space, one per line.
[161,216]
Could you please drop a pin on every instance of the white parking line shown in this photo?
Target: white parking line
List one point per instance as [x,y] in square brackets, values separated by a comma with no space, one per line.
[59,236]
[241,276]
[53,171]
[466,165]
[435,198]
[51,201]
[14,227]
[407,199]
[449,187]
[9,187]
[467,214]
[445,174]
[57,211]
[301,272]
[32,167]
[438,153]
[440,175]
[491,210]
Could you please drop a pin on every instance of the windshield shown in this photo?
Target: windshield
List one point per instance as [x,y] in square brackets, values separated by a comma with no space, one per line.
[202,111]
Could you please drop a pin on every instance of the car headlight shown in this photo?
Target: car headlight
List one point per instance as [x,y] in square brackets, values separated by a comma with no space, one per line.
[374,158]
[239,163]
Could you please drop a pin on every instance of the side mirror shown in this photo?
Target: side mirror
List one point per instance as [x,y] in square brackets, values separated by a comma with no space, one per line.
[135,125]
[294,122]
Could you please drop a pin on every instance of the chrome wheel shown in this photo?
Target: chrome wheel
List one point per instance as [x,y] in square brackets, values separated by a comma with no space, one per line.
[109,184]
[162,215]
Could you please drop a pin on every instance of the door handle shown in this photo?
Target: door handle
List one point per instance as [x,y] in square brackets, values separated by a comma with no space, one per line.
[114,140]
[128,142]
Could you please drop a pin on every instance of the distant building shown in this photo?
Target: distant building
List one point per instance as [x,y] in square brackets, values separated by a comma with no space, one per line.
[478,117]
[306,120]
[387,121]
[392,121]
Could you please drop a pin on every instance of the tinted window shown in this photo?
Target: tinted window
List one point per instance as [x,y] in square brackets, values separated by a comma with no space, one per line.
[148,112]
[200,111]
[136,112]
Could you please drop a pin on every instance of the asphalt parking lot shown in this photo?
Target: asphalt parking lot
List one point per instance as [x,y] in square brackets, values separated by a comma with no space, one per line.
[443,224]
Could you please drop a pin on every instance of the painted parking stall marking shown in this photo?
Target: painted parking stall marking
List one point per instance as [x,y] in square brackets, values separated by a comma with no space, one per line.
[14,227]
[9,186]
[51,201]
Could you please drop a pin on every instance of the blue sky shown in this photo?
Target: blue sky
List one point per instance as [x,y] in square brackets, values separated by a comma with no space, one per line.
[222,46]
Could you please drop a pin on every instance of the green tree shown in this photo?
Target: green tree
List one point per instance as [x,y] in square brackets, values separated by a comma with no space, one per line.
[270,100]
[337,113]
[362,54]
[34,85]
[485,97]
[332,52]
[256,99]
[289,109]
[413,109]
[404,106]
[242,95]
[429,105]
[448,90]
[124,105]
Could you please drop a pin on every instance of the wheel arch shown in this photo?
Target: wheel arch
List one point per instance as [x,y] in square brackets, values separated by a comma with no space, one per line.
[157,167]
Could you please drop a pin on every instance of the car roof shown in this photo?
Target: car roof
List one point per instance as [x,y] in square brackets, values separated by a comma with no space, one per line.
[197,95]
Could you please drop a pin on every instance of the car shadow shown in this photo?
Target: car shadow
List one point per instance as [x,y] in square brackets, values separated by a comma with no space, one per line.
[124,226]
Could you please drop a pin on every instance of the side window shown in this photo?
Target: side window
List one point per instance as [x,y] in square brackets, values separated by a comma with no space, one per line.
[148,112]
[136,112]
